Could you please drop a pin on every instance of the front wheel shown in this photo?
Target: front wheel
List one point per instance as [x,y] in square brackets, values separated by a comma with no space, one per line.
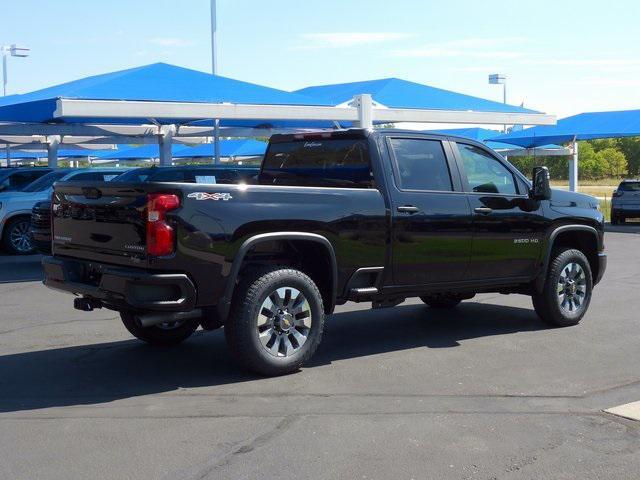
[164,334]
[276,320]
[566,294]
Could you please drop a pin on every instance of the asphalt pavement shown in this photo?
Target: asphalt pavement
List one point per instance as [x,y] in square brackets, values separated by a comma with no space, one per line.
[485,391]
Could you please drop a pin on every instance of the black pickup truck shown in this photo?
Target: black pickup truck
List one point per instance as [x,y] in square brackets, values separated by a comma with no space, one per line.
[354,215]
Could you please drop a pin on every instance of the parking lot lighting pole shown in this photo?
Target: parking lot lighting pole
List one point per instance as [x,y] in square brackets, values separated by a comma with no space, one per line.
[500,79]
[14,51]
[214,70]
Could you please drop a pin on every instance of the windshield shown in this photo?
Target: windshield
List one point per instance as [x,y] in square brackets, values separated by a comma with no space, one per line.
[321,162]
[45,181]
[630,186]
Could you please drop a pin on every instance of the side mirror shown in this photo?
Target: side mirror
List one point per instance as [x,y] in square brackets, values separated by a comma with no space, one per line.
[541,190]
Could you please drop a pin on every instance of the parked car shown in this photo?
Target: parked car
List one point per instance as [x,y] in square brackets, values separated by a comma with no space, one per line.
[40,215]
[15,207]
[14,179]
[370,216]
[625,202]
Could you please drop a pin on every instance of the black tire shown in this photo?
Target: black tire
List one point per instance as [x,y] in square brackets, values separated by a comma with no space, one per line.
[17,240]
[241,329]
[441,301]
[548,303]
[158,336]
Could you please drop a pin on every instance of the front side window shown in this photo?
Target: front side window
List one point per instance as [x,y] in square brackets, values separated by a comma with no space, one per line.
[422,165]
[485,173]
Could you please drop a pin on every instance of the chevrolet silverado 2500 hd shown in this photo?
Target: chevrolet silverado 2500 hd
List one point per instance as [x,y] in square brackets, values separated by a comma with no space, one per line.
[376,216]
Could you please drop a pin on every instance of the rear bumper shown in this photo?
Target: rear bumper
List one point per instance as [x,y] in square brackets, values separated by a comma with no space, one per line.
[602,266]
[119,287]
[626,211]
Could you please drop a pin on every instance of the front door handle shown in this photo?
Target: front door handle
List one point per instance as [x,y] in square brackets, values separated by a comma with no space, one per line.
[408,209]
[483,210]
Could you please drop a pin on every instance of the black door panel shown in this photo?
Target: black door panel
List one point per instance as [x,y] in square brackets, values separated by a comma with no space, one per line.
[431,234]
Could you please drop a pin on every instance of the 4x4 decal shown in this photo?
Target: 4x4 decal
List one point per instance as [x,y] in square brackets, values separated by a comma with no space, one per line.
[210,196]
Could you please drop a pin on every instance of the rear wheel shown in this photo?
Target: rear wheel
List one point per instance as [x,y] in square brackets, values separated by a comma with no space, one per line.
[442,301]
[17,238]
[566,293]
[164,334]
[276,320]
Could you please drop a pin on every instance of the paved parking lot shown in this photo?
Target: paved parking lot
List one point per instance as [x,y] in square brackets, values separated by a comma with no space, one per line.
[486,392]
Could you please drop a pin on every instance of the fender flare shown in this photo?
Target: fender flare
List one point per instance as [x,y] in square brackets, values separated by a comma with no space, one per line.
[224,304]
[539,281]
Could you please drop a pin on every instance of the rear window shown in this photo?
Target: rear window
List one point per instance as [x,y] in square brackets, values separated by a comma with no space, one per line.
[629,187]
[318,163]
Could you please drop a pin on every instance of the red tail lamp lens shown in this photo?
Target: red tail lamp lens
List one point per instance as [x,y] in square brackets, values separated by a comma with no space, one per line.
[160,235]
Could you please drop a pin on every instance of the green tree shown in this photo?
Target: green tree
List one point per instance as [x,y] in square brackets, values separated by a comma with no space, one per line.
[630,146]
[615,160]
[591,165]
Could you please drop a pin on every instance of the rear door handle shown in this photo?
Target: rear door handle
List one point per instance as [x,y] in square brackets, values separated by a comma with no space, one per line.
[408,209]
[483,210]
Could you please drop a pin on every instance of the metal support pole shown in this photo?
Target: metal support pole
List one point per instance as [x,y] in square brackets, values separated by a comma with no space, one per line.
[214,28]
[53,142]
[164,142]
[573,168]
[216,141]
[364,104]
[4,71]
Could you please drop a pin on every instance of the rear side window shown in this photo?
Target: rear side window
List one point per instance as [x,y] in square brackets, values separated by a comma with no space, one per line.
[319,163]
[422,164]
[485,173]
[629,187]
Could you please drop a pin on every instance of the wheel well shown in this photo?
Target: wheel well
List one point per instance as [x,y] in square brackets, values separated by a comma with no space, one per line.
[582,240]
[308,256]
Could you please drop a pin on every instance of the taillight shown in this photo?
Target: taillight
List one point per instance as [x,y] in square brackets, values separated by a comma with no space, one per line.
[617,193]
[160,235]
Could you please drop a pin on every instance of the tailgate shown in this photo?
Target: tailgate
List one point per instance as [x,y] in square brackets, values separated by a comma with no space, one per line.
[100,221]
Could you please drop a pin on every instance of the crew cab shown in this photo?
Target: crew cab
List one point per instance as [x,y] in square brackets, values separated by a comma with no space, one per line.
[352,215]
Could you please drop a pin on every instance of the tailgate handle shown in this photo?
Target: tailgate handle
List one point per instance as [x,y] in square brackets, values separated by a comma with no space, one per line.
[92,193]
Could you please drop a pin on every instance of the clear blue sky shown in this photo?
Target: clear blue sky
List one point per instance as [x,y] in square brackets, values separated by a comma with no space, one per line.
[561,56]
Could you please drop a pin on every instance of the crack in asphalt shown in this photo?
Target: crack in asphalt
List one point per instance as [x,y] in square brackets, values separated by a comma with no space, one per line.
[205,469]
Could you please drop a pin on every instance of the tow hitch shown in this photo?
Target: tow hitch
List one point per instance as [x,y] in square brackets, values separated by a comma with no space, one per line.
[86,304]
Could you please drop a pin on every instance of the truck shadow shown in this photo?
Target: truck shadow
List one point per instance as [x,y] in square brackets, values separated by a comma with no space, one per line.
[98,373]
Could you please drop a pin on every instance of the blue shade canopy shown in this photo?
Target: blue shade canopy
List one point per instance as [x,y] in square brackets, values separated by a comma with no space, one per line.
[228,148]
[397,93]
[156,82]
[477,134]
[151,150]
[62,153]
[483,135]
[585,126]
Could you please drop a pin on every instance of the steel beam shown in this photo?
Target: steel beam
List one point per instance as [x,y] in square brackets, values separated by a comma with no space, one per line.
[195,111]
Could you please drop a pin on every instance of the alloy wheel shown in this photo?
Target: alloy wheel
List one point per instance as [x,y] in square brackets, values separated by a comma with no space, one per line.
[284,322]
[572,288]
[20,237]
